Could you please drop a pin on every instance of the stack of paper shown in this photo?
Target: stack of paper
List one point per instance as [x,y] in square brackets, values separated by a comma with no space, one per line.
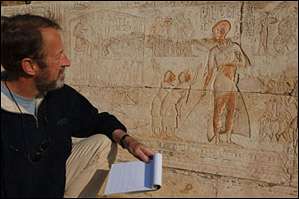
[135,176]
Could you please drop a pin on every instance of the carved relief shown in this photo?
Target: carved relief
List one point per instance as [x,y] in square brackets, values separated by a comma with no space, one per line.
[274,27]
[128,105]
[274,126]
[140,61]
[249,21]
[168,105]
[167,83]
[224,59]
[282,85]
[286,42]
[278,124]
[111,37]
[153,73]
[265,20]
[170,37]
[109,33]
[46,10]
[81,42]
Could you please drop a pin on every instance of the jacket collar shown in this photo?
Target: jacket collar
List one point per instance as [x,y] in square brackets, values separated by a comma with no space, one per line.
[9,105]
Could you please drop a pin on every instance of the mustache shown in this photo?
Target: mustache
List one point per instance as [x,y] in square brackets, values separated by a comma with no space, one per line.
[61,71]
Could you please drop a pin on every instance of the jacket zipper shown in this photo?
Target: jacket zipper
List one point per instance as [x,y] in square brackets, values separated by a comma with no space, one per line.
[35,114]
[36,121]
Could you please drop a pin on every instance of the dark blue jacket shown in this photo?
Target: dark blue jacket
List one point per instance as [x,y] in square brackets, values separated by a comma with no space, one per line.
[61,114]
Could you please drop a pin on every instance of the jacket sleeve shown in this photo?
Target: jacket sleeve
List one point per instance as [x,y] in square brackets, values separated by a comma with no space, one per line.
[85,120]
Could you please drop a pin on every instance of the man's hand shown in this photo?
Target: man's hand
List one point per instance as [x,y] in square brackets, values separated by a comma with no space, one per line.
[137,149]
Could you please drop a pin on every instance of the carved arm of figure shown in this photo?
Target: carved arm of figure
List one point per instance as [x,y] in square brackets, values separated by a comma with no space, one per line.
[231,64]
[192,82]
[195,76]
[208,78]
[238,58]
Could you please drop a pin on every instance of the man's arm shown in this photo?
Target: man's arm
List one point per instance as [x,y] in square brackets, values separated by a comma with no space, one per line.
[84,121]
[137,149]
[210,67]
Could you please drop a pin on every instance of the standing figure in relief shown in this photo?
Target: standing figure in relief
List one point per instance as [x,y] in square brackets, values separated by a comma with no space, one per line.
[184,86]
[265,21]
[224,59]
[170,111]
[169,78]
[81,43]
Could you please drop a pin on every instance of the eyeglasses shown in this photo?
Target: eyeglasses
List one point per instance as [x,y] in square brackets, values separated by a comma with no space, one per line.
[44,146]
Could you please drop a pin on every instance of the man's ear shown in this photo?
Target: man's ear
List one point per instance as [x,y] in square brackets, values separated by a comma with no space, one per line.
[28,66]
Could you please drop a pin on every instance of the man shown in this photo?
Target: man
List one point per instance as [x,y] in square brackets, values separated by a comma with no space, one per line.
[39,114]
[224,59]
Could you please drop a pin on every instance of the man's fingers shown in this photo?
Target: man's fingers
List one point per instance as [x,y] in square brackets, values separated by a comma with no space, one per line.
[141,156]
[148,151]
[145,154]
[140,151]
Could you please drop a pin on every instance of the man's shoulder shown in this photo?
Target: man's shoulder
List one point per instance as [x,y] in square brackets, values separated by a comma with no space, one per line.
[66,90]
[68,87]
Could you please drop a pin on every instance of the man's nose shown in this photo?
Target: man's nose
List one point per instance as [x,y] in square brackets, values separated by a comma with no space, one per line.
[65,61]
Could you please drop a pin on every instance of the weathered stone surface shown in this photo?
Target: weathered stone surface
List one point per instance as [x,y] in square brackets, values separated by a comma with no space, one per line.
[13,3]
[234,134]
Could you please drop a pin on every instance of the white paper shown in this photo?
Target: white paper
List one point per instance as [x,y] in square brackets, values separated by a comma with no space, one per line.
[135,176]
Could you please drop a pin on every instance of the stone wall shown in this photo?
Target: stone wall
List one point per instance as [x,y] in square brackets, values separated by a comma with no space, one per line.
[14,3]
[224,114]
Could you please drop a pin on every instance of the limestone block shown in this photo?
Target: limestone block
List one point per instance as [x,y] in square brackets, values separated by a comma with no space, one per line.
[13,3]
[213,86]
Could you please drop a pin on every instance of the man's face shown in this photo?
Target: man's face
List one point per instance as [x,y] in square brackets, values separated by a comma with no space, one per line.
[51,76]
[220,30]
[218,33]
[171,77]
[187,77]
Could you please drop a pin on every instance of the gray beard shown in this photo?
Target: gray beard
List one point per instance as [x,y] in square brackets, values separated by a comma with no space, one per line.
[44,86]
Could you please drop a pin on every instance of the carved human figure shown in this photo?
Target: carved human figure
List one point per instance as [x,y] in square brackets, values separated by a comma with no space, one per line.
[156,27]
[169,78]
[224,59]
[81,43]
[170,112]
[184,27]
[166,28]
[185,83]
[173,104]
[154,37]
[155,67]
[286,42]
[265,21]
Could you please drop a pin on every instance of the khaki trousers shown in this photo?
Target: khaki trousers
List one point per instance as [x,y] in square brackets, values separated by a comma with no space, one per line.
[90,156]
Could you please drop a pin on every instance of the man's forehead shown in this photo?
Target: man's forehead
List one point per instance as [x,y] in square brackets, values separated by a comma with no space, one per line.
[222,24]
[49,32]
[52,40]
